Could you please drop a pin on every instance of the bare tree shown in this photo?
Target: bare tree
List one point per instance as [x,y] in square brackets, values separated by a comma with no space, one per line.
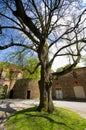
[45,24]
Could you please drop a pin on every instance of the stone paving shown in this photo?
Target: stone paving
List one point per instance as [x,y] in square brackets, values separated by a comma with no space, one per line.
[7,107]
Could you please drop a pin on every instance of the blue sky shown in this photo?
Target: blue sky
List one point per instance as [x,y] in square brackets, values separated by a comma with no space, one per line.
[4,53]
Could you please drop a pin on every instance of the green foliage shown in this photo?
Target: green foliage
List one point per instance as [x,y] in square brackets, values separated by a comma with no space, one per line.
[62,68]
[3,65]
[23,62]
[77,67]
[65,67]
[30,119]
[31,64]
[59,69]
[8,74]
[17,58]
[3,92]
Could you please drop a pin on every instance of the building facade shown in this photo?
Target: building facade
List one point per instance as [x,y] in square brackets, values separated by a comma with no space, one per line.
[71,86]
[26,89]
[9,82]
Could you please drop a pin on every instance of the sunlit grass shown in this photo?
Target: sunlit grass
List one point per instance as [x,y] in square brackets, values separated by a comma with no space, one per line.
[30,119]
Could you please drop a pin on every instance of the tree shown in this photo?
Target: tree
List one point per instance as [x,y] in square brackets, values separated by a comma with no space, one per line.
[30,67]
[45,24]
[25,63]
[66,66]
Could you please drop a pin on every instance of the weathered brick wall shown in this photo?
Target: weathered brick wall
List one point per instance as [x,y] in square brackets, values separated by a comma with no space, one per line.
[22,86]
[67,83]
[10,81]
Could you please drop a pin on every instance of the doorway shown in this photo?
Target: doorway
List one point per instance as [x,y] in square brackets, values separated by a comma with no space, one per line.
[11,94]
[58,93]
[28,94]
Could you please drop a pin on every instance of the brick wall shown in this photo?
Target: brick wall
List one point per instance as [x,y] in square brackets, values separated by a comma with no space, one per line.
[21,88]
[67,83]
[28,88]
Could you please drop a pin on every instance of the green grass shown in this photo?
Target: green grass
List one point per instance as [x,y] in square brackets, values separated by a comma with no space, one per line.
[30,119]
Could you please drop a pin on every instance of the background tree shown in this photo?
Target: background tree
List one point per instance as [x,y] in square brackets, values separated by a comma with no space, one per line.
[25,63]
[28,69]
[45,25]
[61,68]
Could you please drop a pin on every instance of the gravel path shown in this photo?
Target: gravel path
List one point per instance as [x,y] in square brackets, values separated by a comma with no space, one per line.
[8,107]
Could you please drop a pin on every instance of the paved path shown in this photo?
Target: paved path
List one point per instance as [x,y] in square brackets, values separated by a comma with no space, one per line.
[8,107]
[78,107]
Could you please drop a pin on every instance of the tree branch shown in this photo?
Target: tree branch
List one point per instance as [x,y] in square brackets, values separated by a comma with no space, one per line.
[81,40]
[20,13]
[10,19]
[69,30]
[16,44]
[67,69]
[33,39]
[22,30]
[11,27]
[32,72]
[40,18]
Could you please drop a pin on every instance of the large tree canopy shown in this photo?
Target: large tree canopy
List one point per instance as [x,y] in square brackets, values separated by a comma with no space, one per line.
[48,28]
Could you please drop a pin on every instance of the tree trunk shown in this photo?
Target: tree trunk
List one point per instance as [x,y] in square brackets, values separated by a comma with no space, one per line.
[46,103]
[45,83]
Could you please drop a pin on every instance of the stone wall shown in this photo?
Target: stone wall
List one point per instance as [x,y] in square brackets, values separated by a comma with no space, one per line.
[26,89]
[10,81]
[71,85]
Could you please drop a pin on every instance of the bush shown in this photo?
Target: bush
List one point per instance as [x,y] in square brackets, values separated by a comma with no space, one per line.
[4,92]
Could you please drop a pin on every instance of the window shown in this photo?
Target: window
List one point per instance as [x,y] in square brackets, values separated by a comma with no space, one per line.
[58,93]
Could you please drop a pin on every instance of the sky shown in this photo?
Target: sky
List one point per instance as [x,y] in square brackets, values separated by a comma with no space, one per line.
[59,62]
[62,61]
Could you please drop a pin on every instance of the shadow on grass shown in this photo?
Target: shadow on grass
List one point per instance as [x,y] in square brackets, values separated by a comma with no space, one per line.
[40,120]
[32,109]
[39,115]
[52,121]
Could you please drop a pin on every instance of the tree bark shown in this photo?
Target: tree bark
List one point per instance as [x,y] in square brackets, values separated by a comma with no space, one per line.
[46,103]
[45,83]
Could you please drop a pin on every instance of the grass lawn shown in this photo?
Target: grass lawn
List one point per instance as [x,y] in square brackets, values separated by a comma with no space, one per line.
[30,119]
